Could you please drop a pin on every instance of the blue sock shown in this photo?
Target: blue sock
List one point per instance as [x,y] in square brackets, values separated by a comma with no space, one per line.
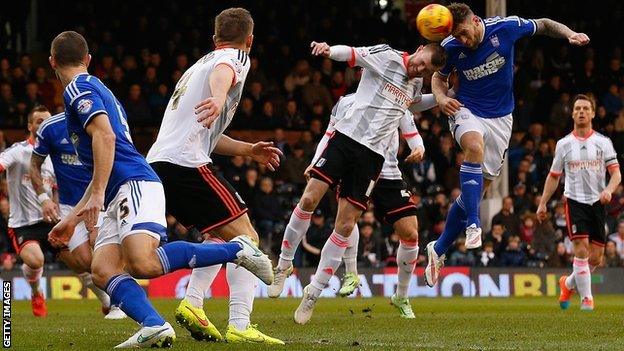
[182,254]
[455,223]
[471,179]
[126,293]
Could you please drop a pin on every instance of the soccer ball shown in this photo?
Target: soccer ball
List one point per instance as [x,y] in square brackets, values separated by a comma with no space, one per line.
[434,22]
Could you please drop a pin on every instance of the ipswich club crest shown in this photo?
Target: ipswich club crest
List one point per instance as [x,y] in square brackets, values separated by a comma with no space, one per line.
[494,41]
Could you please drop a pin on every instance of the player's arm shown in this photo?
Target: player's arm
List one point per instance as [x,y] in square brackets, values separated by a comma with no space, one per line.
[554,29]
[221,79]
[371,57]
[409,131]
[329,133]
[550,186]
[48,207]
[614,181]
[262,152]
[440,89]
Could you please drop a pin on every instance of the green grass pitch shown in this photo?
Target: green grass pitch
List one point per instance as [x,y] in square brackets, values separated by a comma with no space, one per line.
[353,324]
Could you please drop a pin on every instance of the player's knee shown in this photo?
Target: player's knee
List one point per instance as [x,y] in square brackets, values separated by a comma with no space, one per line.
[409,235]
[308,202]
[474,151]
[144,267]
[35,262]
[344,227]
[100,277]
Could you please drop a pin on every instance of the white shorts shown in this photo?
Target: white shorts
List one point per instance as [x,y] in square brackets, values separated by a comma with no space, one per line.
[138,207]
[81,234]
[496,133]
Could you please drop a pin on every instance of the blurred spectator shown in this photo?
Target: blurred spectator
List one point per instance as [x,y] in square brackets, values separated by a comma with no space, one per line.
[159,100]
[527,228]
[245,115]
[611,256]
[618,239]
[513,256]
[507,217]
[390,247]
[266,209]
[294,167]
[8,104]
[249,187]
[280,142]
[234,171]
[611,100]
[315,92]
[136,107]
[315,238]
[369,248]
[292,117]
[498,237]
[544,240]
[461,256]
[487,257]
[299,77]
[338,87]
[560,257]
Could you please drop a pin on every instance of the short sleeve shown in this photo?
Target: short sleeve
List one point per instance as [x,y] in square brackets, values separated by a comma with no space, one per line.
[409,131]
[610,156]
[42,146]
[518,27]
[236,64]
[84,102]
[9,156]
[372,57]
[556,169]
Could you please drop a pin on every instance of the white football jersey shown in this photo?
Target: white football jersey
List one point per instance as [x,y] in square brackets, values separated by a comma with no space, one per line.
[181,139]
[407,126]
[24,206]
[383,95]
[585,162]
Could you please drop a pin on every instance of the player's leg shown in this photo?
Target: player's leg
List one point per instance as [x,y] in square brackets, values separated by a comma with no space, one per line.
[351,280]
[331,257]
[471,175]
[407,255]
[32,269]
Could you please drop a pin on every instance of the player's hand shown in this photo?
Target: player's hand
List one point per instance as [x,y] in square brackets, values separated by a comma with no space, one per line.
[265,153]
[306,173]
[605,197]
[416,155]
[320,49]
[542,213]
[91,210]
[449,105]
[579,39]
[50,211]
[208,111]
[61,233]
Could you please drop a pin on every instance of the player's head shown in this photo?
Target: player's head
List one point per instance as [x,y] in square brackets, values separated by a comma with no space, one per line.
[35,117]
[583,110]
[69,49]
[427,59]
[467,27]
[234,27]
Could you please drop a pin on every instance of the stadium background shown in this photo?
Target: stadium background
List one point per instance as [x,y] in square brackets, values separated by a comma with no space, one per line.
[140,51]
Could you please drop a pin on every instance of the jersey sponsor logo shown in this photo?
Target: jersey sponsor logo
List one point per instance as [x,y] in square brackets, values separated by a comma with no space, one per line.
[84,106]
[70,159]
[321,161]
[492,64]
[585,165]
[396,95]
[494,41]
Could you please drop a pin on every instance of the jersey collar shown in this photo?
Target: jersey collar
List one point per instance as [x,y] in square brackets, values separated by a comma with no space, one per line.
[30,141]
[591,132]
[405,59]
[484,28]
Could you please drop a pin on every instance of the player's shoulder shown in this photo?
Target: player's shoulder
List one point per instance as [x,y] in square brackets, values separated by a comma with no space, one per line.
[565,140]
[81,85]
[601,137]
[379,49]
[51,123]
[238,58]
[510,22]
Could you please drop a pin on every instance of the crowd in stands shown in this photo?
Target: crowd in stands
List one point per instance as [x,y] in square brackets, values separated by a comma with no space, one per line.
[143,52]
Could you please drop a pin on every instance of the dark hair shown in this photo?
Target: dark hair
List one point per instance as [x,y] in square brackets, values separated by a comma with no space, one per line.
[460,13]
[438,54]
[589,98]
[38,108]
[69,49]
[233,25]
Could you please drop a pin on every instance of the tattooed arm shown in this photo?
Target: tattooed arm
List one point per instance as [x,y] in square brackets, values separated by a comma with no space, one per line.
[554,29]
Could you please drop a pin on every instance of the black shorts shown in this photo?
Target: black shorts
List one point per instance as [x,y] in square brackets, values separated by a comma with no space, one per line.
[350,164]
[392,200]
[586,221]
[199,197]
[37,232]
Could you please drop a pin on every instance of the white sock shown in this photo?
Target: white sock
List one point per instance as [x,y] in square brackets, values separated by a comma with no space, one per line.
[350,255]
[242,291]
[582,277]
[407,254]
[87,281]
[570,283]
[331,257]
[33,276]
[201,279]
[295,230]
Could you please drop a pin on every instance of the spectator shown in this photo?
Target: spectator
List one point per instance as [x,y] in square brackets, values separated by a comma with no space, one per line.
[256,94]
[314,92]
[618,239]
[295,166]
[513,256]
[560,258]
[521,201]
[268,119]
[299,77]
[527,228]
[234,171]
[498,237]
[507,217]
[249,187]
[245,115]
[159,100]
[8,105]
[266,211]
[315,238]
[611,257]
[390,247]
[117,83]
[487,257]
[461,256]
[136,107]
[369,248]
[611,100]
[292,117]
[280,142]
[45,87]
[338,86]
[544,240]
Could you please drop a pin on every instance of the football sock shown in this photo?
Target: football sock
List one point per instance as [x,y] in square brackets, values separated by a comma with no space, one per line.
[242,291]
[201,279]
[182,254]
[87,281]
[33,276]
[350,255]
[471,179]
[455,223]
[295,230]
[331,257]
[126,293]
[582,277]
[407,254]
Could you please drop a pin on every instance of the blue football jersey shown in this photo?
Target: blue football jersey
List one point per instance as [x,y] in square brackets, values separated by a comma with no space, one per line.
[72,176]
[486,72]
[85,97]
